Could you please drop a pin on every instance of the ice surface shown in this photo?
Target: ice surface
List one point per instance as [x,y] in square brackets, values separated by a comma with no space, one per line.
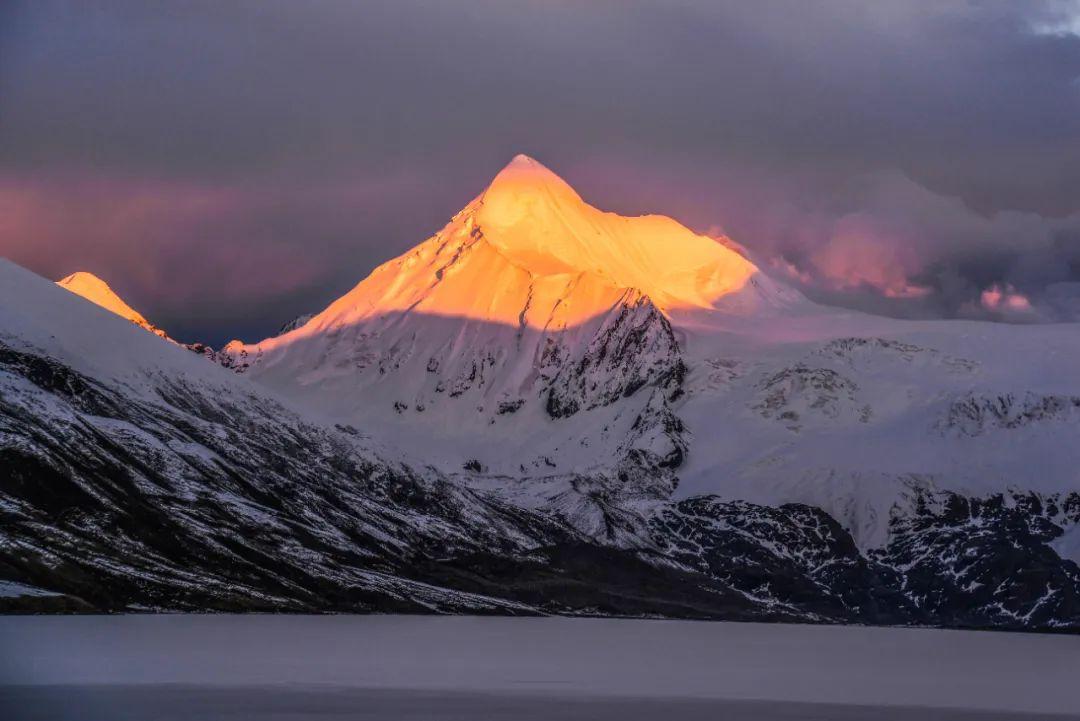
[528,668]
[303,703]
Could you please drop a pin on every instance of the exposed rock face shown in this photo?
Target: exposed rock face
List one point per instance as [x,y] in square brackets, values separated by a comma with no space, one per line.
[791,557]
[792,394]
[635,347]
[988,561]
[657,438]
[297,322]
[232,355]
[977,562]
[864,353]
[976,414]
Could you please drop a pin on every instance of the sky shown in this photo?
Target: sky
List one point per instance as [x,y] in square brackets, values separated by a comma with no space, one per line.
[229,165]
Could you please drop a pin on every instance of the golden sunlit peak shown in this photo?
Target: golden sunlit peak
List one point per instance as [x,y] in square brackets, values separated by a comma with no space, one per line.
[94,289]
[521,184]
[538,222]
[523,161]
[82,277]
[528,252]
[525,168]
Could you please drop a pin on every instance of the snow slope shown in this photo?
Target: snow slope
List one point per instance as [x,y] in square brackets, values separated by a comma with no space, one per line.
[849,412]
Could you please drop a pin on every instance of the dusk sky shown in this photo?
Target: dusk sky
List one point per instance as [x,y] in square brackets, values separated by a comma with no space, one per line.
[226,166]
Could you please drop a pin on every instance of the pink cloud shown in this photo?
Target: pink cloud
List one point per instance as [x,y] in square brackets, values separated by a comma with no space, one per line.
[790,270]
[877,253]
[860,254]
[1005,298]
[144,233]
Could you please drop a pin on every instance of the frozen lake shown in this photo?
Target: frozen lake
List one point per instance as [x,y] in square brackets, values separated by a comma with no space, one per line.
[395,667]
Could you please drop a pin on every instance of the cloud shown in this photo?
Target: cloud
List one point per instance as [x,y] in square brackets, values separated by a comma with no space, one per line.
[859,254]
[1059,19]
[1007,301]
[877,241]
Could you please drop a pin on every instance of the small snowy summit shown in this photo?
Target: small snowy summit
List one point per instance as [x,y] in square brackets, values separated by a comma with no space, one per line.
[97,291]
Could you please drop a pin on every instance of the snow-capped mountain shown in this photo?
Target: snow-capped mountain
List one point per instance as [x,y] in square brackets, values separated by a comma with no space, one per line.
[536,341]
[529,307]
[97,291]
[549,408]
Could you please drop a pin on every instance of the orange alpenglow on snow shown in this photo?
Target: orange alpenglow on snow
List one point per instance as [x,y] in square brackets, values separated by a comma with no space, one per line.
[97,291]
[541,223]
[529,252]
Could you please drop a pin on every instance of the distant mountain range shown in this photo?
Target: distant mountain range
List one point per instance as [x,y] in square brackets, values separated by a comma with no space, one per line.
[544,408]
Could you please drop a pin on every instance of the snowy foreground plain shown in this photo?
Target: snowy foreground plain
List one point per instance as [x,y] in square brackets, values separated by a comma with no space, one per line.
[398,667]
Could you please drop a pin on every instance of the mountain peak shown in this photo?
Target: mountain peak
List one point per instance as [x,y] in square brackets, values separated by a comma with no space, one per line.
[522,186]
[526,255]
[523,161]
[82,277]
[97,291]
[538,222]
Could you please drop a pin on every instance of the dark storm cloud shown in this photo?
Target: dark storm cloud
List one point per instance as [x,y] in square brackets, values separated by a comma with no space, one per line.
[234,163]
